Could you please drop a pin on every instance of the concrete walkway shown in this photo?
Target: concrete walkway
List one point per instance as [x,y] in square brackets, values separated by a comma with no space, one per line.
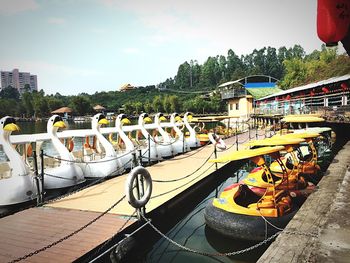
[325,216]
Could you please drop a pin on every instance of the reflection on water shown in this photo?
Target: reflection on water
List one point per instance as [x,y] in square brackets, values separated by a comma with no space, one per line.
[192,232]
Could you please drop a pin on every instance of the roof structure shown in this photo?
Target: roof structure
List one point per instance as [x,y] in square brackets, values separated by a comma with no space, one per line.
[258,93]
[62,110]
[127,87]
[308,86]
[98,107]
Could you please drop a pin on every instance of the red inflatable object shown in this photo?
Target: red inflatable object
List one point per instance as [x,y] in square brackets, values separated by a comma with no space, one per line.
[333,20]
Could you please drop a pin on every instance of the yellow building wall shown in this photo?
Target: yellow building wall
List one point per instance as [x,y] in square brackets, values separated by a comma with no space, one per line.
[245,106]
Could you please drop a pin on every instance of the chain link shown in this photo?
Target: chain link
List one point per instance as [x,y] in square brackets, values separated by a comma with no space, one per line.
[67,236]
[206,253]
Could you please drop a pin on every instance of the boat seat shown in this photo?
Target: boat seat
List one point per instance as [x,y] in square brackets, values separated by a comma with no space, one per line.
[5,170]
[51,162]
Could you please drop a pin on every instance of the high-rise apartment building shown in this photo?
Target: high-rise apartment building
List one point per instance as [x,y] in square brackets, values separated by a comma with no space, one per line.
[18,80]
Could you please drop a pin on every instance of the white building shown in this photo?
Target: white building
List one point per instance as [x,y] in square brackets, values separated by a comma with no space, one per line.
[18,80]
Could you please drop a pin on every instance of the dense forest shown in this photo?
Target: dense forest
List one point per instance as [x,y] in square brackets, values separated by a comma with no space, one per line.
[186,91]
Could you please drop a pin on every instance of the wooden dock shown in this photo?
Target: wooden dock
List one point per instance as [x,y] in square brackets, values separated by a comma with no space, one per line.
[36,228]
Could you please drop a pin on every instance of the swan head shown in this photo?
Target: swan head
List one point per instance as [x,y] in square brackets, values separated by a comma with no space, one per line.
[54,123]
[98,120]
[144,118]
[175,117]
[122,119]
[8,125]
[188,116]
[160,117]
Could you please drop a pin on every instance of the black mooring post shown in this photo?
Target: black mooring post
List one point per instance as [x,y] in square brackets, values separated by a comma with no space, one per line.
[138,196]
[237,135]
[142,192]
[149,149]
[42,174]
[140,157]
[183,143]
[216,156]
[39,195]
[134,159]
[248,131]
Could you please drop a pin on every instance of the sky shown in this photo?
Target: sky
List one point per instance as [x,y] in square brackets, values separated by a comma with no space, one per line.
[76,46]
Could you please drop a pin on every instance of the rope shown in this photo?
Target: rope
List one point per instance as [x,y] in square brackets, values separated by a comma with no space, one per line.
[69,235]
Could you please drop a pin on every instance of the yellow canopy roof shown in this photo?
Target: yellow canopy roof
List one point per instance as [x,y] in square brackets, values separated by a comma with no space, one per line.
[276,141]
[246,154]
[212,118]
[305,135]
[302,119]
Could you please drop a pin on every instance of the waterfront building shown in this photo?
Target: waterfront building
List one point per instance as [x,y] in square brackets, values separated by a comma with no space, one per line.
[325,95]
[126,87]
[18,80]
[241,94]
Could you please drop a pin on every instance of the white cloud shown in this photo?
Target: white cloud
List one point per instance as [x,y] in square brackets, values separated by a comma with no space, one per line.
[131,50]
[56,20]
[11,7]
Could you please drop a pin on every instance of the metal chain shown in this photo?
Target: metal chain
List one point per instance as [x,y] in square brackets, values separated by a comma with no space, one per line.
[89,162]
[83,188]
[286,231]
[105,243]
[67,236]
[181,185]
[186,176]
[206,253]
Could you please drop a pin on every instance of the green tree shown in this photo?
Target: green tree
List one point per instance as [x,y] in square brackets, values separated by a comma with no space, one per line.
[40,106]
[183,76]
[81,105]
[9,93]
[54,103]
[157,104]
[174,103]
[166,104]
[138,106]
[27,101]
[148,107]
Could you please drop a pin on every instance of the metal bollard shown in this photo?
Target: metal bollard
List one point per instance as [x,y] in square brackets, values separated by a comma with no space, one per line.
[42,174]
[149,149]
[37,180]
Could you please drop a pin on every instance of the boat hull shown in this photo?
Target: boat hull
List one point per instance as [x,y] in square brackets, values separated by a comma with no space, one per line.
[239,226]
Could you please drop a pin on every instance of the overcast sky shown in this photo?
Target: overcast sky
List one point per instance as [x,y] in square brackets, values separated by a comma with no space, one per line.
[78,46]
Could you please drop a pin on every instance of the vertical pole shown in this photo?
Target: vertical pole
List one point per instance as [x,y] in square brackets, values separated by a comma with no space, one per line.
[228,127]
[140,157]
[216,156]
[135,159]
[42,174]
[138,197]
[39,196]
[237,135]
[142,192]
[149,149]
[183,143]
[248,131]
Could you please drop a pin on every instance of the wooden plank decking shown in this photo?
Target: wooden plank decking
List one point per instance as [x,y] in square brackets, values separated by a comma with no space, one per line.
[34,228]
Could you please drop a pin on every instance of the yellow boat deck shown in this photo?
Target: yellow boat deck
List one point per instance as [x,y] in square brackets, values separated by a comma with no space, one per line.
[34,228]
